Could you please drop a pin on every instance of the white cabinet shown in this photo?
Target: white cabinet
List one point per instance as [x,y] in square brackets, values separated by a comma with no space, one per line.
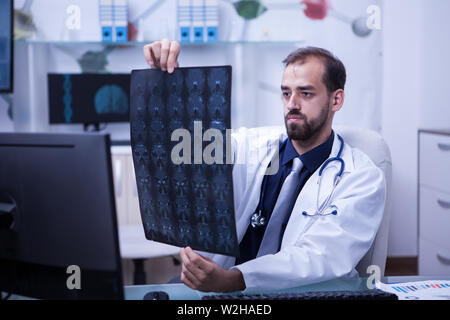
[434,202]
[127,201]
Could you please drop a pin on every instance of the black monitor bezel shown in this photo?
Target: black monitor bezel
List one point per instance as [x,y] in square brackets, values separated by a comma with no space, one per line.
[67,140]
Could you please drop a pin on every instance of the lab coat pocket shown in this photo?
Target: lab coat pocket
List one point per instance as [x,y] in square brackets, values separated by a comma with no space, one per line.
[306,201]
[297,225]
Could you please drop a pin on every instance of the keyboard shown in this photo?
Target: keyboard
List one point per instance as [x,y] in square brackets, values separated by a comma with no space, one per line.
[374,294]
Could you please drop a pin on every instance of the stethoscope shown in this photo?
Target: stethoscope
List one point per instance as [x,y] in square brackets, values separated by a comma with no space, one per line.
[258,220]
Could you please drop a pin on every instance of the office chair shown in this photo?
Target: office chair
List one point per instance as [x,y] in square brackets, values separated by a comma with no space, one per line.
[371,143]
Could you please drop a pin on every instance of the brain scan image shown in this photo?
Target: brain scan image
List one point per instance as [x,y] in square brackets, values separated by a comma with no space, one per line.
[195,107]
[175,124]
[180,182]
[141,153]
[156,107]
[157,130]
[216,108]
[195,81]
[174,83]
[156,86]
[175,107]
[159,155]
[182,210]
[183,204]
[218,80]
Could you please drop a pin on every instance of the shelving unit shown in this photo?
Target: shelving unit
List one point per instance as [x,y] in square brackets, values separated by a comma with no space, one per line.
[141,43]
[35,58]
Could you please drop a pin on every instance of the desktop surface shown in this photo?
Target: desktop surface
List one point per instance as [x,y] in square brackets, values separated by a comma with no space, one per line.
[180,291]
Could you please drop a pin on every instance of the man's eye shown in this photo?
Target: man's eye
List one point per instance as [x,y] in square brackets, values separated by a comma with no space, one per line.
[286,94]
[307,94]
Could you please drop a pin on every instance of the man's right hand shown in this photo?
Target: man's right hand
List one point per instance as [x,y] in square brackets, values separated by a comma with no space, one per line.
[163,54]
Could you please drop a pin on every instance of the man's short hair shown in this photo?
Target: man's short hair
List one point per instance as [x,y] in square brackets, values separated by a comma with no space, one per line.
[334,76]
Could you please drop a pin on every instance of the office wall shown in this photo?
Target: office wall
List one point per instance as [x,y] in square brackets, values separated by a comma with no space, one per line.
[401,102]
[416,92]
[434,111]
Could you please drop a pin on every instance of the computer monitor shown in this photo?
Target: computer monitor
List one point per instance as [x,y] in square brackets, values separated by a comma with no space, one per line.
[57,210]
[6,46]
[88,98]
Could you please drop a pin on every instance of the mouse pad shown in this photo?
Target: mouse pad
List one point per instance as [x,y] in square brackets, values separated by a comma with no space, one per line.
[179,125]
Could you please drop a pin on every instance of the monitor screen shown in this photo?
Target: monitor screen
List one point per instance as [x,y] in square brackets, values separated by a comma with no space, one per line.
[88,98]
[6,46]
[58,229]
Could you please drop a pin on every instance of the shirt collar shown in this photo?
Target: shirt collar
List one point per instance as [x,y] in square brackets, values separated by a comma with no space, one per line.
[311,159]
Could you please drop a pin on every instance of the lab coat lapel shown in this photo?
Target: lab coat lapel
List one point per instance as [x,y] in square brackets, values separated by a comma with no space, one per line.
[253,191]
[307,199]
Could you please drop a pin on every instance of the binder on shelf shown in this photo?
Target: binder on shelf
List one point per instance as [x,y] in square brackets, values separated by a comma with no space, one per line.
[113,16]
[211,19]
[198,20]
[185,20]
[106,19]
[121,20]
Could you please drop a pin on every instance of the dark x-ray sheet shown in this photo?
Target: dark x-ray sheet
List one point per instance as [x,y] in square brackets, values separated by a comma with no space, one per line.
[187,204]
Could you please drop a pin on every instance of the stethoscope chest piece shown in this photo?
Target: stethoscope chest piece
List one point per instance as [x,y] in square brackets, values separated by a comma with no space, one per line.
[257,220]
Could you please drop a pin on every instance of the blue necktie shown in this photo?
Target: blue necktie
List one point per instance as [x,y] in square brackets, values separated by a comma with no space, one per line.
[284,205]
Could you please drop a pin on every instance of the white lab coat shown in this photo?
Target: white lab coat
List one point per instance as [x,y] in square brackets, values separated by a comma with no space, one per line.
[313,249]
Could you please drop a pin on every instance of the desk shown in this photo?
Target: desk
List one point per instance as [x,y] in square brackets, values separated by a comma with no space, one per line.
[182,292]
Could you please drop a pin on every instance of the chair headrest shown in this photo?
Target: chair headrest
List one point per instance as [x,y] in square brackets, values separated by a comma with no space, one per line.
[368,141]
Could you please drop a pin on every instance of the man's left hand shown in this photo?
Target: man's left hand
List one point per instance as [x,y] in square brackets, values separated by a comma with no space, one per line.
[201,273]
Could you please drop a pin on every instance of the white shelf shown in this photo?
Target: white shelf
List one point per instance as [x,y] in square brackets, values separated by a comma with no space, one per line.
[141,43]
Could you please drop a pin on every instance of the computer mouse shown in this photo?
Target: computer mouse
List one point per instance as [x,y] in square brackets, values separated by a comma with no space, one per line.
[156,295]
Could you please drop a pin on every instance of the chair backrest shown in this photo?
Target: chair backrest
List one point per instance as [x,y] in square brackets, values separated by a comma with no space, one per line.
[371,143]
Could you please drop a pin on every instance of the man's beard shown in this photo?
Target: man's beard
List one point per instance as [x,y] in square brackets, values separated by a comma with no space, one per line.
[308,128]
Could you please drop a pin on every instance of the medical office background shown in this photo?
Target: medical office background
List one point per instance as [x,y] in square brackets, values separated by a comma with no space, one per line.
[397,83]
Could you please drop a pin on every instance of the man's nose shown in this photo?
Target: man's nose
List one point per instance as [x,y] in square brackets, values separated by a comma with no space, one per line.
[294,102]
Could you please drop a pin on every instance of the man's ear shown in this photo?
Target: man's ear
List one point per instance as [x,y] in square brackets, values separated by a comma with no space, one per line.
[337,100]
